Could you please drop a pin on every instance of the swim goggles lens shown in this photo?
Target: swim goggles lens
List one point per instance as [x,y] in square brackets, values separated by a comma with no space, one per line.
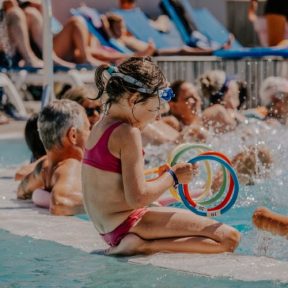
[166,94]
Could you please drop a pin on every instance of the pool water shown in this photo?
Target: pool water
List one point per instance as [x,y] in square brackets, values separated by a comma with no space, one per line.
[13,152]
[29,263]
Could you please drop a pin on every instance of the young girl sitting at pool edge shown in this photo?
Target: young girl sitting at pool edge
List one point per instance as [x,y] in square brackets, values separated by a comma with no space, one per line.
[116,195]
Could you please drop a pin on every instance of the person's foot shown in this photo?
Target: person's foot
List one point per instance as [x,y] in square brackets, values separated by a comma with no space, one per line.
[149,51]
[129,245]
[3,119]
[35,62]
[229,42]
[267,220]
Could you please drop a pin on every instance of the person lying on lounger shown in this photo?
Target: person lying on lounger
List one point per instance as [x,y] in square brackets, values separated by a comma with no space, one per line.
[72,44]
[115,28]
[55,181]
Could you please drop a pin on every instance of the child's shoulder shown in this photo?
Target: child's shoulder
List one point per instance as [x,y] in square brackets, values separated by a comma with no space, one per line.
[126,133]
[127,129]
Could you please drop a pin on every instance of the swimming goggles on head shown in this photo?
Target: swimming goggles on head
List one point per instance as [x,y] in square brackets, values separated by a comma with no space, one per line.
[166,93]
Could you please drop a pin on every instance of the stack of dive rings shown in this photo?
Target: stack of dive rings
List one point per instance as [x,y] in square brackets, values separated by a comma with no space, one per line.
[207,203]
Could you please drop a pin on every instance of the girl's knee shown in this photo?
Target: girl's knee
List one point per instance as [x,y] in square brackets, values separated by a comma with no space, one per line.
[232,239]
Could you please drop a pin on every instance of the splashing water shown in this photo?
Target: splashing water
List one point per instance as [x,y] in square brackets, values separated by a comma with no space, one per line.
[270,191]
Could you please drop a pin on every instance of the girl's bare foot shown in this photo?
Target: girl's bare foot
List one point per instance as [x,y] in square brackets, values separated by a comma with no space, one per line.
[129,245]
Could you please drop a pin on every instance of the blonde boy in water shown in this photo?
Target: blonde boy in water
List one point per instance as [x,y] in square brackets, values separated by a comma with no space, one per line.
[115,192]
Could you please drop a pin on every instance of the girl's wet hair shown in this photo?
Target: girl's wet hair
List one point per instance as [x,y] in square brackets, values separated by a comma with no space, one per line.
[141,69]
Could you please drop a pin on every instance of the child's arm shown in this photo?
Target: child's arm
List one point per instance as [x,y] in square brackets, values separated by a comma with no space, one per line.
[138,192]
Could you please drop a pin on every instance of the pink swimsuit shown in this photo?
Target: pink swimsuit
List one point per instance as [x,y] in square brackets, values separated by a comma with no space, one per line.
[100,157]
[114,237]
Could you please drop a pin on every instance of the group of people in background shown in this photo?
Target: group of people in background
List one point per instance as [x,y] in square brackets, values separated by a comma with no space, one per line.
[74,44]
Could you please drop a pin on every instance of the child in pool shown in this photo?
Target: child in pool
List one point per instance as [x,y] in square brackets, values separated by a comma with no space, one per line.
[115,192]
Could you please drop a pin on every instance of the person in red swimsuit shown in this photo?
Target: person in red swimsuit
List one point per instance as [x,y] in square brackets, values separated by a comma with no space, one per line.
[115,192]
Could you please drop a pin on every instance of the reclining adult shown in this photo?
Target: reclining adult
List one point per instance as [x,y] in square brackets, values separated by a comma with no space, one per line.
[15,44]
[73,44]
[162,24]
[116,29]
[197,39]
[56,182]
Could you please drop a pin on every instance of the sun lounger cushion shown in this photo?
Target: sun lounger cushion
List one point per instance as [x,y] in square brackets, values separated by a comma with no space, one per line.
[208,25]
[92,18]
[256,52]
[138,24]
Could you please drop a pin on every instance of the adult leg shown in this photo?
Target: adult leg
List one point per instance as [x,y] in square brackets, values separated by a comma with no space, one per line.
[18,32]
[176,230]
[73,42]
[35,26]
[275,28]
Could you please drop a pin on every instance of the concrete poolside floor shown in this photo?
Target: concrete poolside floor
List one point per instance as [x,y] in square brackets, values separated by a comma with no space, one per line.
[12,129]
[24,219]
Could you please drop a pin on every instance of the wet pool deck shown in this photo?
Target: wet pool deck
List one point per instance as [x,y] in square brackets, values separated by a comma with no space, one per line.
[24,219]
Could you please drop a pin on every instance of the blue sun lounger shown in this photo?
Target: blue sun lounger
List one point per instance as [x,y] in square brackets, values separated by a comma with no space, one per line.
[96,32]
[208,25]
[255,52]
[138,24]
[204,21]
